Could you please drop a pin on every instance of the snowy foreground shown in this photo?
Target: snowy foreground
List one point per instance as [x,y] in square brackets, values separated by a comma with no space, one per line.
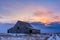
[28,37]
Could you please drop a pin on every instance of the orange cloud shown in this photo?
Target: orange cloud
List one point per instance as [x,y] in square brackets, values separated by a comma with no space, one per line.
[46,17]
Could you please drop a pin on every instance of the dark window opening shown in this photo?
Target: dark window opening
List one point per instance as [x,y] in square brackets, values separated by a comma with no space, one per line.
[18,28]
[30,31]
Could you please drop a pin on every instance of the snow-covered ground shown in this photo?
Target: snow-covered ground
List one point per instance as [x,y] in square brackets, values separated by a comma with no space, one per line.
[54,37]
[28,37]
[19,38]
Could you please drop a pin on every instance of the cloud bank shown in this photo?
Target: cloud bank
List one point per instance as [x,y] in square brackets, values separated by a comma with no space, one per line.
[13,11]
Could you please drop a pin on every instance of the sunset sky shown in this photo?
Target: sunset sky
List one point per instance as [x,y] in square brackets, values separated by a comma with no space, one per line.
[45,11]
